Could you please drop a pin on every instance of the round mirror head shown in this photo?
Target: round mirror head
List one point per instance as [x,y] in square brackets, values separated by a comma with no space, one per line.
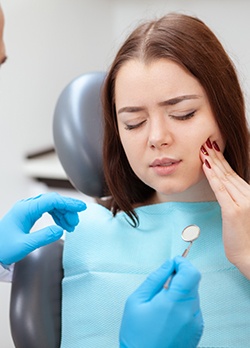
[190,233]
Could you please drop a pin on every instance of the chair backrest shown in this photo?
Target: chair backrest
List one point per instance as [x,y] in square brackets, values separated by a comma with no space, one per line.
[35,308]
[35,305]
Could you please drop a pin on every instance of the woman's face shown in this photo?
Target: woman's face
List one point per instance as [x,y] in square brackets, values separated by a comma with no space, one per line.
[164,118]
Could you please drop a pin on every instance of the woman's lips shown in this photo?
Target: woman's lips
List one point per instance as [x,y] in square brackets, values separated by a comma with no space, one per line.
[165,166]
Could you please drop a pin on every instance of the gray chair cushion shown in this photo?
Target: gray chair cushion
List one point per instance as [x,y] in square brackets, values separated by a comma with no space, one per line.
[35,307]
[78,133]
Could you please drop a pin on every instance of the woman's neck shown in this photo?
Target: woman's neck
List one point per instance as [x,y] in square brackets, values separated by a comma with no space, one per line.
[201,192]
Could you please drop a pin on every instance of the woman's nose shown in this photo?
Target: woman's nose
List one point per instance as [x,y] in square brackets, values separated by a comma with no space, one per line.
[159,134]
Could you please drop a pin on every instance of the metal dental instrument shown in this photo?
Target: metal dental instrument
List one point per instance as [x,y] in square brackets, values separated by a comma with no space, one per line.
[189,234]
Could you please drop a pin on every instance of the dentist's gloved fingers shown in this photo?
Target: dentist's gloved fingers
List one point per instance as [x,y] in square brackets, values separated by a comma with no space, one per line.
[186,280]
[154,282]
[48,202]
[15,226]
[67,220]
[26,212]
[44,236]
[24,244]
[173,313]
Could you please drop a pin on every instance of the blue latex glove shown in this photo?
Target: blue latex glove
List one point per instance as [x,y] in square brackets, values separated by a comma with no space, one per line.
[16,241]
[155,317]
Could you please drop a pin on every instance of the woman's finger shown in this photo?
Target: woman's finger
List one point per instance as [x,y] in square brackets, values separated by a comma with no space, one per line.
[223,180]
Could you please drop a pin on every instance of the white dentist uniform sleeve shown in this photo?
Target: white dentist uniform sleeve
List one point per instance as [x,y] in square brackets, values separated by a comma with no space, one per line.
[6,274]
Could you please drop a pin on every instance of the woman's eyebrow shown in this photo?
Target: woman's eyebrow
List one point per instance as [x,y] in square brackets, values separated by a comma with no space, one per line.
[179,99]
[130,109]
[172,101]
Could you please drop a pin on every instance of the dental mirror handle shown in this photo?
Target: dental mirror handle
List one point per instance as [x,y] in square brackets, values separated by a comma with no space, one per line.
[185,253]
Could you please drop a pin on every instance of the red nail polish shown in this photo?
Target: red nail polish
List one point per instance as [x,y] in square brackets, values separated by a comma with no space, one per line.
[216,146]
[207,164]
[204,151]
[209,144]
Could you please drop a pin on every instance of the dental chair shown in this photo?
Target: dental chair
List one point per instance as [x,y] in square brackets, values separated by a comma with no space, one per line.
[35,304]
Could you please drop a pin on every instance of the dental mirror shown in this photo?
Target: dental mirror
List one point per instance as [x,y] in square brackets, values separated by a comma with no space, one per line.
[189,234]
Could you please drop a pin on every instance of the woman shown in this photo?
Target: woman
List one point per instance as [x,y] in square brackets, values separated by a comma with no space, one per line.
[175,153]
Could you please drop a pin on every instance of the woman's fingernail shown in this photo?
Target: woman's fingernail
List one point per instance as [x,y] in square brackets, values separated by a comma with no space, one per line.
[207,164]
[209,144]
[204,151]
[216,146]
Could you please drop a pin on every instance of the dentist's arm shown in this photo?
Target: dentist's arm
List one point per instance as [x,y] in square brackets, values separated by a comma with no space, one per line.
[155,317]
[16,241]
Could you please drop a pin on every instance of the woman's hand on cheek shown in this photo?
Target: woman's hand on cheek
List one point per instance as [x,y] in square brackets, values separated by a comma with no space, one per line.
[233,195]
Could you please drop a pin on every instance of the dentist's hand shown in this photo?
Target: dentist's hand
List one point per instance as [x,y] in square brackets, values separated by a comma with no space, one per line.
[16,241]
[155,317]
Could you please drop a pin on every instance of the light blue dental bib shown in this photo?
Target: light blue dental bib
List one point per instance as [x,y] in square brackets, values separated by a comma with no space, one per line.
[106,259]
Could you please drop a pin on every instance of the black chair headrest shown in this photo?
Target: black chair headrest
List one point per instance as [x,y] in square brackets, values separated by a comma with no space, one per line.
[78,133]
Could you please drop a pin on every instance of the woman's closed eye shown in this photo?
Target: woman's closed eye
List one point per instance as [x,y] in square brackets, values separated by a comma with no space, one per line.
[175,117]
[183,117]
[134,126]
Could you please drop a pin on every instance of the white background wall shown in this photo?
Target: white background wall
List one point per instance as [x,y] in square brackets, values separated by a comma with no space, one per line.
[49,42]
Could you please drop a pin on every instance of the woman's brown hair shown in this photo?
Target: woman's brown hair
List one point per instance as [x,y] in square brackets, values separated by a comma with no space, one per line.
[189,42]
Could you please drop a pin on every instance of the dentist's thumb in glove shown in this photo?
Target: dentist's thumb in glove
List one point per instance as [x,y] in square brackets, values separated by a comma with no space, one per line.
[155,317]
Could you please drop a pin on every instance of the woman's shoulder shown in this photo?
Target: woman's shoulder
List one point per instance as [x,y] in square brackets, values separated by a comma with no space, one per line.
[97,206]
[96,211]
